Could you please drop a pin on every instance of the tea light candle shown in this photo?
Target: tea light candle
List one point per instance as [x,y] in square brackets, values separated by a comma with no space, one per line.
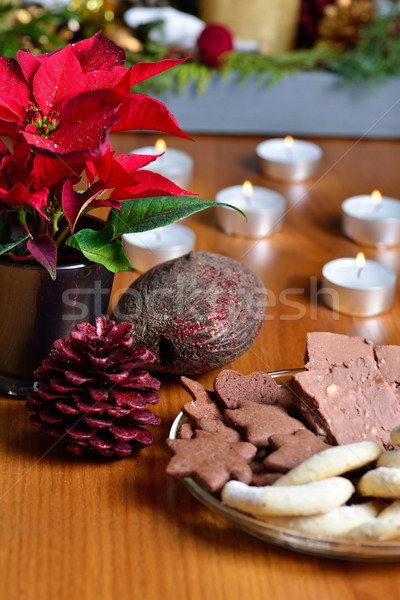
[372,220]
[147,249]
[263,208]
[357,286]
[288,159]
[171,163]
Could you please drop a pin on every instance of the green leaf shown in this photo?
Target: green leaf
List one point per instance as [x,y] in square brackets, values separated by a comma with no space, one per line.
[143,214]
[6,247]
[101,247]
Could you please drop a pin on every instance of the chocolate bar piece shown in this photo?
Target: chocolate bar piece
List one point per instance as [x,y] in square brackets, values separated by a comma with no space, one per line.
[388,361]
[324,349]
[348,403]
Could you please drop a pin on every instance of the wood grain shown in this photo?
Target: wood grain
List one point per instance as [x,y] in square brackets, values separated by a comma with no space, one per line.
[95,529]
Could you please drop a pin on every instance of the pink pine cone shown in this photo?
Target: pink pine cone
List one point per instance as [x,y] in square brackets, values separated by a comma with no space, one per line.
[93,390]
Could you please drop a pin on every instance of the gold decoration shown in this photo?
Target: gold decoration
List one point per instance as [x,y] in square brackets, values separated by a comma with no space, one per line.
[341,21]
[271,23]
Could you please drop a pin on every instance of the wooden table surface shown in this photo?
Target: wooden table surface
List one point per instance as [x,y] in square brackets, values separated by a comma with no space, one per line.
[93,529]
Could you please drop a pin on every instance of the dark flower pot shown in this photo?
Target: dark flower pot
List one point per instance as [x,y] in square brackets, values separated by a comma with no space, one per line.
[35,311]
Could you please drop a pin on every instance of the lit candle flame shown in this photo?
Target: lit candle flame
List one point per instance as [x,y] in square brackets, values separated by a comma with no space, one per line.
[160,146]
[247,189]
[288,141]
[376,198]
[360,263]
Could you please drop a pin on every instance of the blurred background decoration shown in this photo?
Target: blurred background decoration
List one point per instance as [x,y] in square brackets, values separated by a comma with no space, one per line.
[357,39]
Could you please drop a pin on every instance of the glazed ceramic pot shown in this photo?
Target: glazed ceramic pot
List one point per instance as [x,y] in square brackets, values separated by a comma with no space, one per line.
[35,311]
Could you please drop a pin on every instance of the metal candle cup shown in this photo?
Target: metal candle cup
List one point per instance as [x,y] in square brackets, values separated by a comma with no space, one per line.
[372,224]
[293,160]
[147,249]
[359,292]
[264,210]
[174,164]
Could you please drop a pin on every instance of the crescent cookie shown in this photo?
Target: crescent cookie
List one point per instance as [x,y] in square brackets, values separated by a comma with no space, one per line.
[334,524]
[391,458]
[332,462]
[310,499]
[386,526]
[383,482]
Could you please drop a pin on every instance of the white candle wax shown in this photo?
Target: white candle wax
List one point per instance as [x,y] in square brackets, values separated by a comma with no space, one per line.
[293,161]
[149,248]
[264,210]
[372,224]
[174,164]
[352,290]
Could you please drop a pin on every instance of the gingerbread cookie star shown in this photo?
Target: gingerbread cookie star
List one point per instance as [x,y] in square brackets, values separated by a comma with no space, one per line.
[292,449]
[232,387]
[210,460]
[203,404]
[259,421]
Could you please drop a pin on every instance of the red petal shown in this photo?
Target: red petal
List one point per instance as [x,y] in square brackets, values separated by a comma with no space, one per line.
[29,65]
[74,203]
[84,106]
[104,55]
[112,173]
[145,70]
[44,250]
[96,80]
[11,109]
[12,129]
[19,196]
[148,184]
[140,112]
[49,170]
[59,76]
[132,162]
[12,81]
[80,49]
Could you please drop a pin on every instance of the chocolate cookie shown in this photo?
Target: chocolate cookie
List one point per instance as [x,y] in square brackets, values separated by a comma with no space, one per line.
[232,387]
[291,449]
[259,421]
[210,460]
[203,405]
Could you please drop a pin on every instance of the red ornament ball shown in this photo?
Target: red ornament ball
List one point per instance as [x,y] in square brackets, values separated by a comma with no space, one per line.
[214,44]
[93,390]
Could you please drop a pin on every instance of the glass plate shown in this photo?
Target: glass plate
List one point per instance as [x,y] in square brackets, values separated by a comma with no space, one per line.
[286,538]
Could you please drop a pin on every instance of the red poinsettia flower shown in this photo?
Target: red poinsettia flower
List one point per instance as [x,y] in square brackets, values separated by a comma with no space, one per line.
[58,109]
[66,102]
[17,183]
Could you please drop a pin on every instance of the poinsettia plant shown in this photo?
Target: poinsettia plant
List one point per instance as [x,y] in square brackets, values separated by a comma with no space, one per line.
[56,113]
